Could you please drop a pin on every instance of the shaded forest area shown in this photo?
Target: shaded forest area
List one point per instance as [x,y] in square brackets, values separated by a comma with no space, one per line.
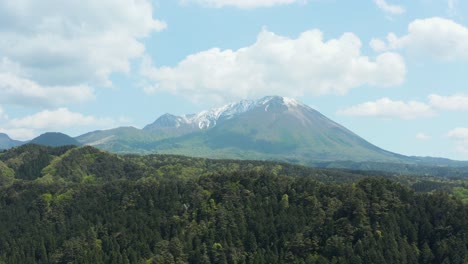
[82,205]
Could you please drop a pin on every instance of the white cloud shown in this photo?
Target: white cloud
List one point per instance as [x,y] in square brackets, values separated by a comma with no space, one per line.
[458,133]
[77,41]
[378,45]
[278,65]
[55,119]
[242,3]
[60,119]
[423,136]
[435,37]
[20,91]
[458,102]
[388,8]
[386,108]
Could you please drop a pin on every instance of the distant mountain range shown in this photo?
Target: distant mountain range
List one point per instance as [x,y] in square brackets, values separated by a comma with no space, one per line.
[271,128]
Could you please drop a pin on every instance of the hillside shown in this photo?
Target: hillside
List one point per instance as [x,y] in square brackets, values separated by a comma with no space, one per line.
[83,205]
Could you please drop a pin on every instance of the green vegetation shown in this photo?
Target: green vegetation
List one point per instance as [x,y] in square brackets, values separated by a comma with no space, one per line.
[461,192]
[83,205]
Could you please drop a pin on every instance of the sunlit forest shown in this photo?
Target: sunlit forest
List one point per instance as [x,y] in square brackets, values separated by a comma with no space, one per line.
[83,205]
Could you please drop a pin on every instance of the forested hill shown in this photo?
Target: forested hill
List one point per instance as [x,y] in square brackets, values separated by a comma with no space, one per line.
[82,205]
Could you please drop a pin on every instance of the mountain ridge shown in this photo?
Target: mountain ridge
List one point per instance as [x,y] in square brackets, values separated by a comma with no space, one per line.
[270,128]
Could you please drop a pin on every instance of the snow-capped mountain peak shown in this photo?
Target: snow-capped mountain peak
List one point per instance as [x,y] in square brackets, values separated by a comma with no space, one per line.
[209,118]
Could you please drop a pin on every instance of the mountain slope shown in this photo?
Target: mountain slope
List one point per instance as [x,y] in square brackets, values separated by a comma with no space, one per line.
[271,128]
[279,126]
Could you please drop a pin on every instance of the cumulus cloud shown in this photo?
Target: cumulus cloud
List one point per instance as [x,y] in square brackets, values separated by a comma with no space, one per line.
[436,37]
[386,108]
[241,3]
[73,42]
[423,136]
[276,64]
[50,120]
[458,102]
[388,8]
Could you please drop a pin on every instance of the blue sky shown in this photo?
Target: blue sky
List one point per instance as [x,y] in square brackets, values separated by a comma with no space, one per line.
[394,72]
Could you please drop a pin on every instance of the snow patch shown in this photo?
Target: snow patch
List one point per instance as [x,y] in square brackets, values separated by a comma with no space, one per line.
[291,103]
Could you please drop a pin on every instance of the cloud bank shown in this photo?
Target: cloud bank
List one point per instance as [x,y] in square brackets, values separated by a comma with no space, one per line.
[246,4]
[277,64]
[387,108]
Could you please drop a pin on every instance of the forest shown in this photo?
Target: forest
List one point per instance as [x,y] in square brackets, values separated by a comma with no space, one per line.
[83,205]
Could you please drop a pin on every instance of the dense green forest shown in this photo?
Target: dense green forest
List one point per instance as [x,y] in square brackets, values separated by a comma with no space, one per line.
[82,205]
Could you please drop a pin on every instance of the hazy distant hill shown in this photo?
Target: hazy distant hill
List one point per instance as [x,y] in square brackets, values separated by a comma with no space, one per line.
[55,139]
[6,142]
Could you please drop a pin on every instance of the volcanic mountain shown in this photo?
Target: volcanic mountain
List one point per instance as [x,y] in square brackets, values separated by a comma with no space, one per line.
[271,128]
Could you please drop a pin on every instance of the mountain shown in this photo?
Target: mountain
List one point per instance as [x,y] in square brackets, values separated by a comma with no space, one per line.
[55,139]
[6,142]
[271,128]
